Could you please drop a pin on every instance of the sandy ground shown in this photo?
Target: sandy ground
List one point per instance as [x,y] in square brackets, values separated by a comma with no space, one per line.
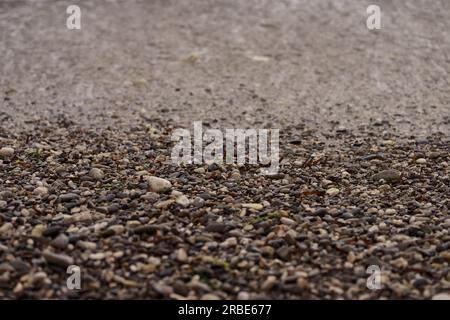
[324,68]
[310,68]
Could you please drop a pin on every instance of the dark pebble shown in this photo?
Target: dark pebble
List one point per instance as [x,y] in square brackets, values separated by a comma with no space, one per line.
[52,231]
[150,229]
[68,197]
[284,253]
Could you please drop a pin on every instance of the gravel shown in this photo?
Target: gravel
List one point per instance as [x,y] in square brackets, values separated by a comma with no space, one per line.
[86,175]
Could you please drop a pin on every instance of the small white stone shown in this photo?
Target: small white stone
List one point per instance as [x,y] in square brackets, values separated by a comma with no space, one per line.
[287,221]
[6,152]
[182,255]
[421,161]
[253,206]
[182,200]
[441,296]
[159,185]
[373,229]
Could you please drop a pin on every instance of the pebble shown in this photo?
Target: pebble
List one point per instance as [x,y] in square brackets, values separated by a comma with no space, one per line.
[288,221]
[198,202]
[38,230]
[445,255]
[321,212]
[421,161]
[6,227]
[150,229]
[436,154]
[269,283]
[181,255]
[96,174]
[52,231]
[20,266]
[113,208]
[387,175]
[6,152]
[87,245]
[200,170]
[159,185]
[333,191]
[230,242]
[150,196]
[242,295]
[3,204]
[347,215]
[41,191]
[441,296]
[283,253]
[183,201]
[57,259]
[60,241]
[216,227]
[68,197]
[253,206]
[97,256]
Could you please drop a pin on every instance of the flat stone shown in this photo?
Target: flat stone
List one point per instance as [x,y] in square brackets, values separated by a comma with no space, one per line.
[216,227]
[150,229]
[97,256]
[253,206]
[68,197]
[333,191]
[159,185]
[441,296]
[57,259]
[287,221]
[387,175]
